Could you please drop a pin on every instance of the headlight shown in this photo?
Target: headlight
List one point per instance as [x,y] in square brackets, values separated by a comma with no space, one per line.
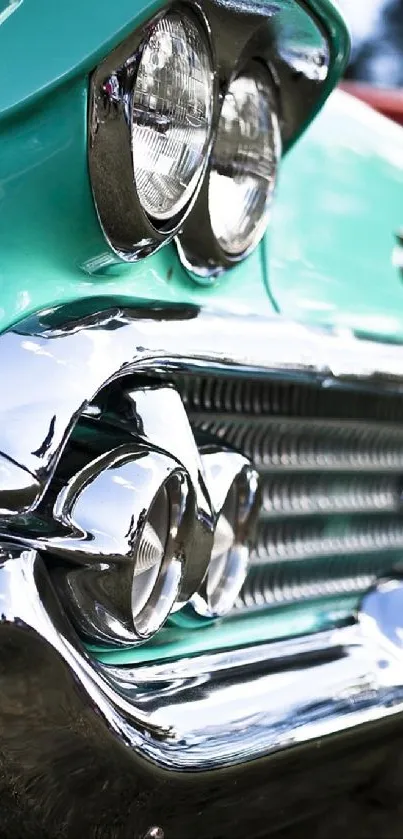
[234,490]
[184,129]
[244,162]
[150,128]
[172,110]
[125,515]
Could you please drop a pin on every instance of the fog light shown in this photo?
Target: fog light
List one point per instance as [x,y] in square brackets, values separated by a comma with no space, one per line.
[126,517]
[157,571]
[229,558]
[233,486]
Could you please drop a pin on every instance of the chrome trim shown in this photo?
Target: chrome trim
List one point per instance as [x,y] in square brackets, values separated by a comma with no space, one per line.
[159,418]
[331,521]
[198,247]
[289,39]
[155,419]
[129,231]
[105,509]
[60,359]
[133,517]
[233,487]
[210,712]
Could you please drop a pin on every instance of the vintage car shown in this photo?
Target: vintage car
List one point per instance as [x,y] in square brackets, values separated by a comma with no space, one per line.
[201,426]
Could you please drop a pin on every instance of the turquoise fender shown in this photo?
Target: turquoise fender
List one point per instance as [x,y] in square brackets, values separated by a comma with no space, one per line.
[327,256]
[332,257]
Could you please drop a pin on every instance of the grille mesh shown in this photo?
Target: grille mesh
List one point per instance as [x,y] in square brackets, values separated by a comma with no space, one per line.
[331,463]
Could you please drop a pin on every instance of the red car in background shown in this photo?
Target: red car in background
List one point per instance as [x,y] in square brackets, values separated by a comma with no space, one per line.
[375,74]
[387,102]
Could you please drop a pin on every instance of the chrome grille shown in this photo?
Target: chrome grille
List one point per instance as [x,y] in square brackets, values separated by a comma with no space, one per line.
[331,463]
[314,494]
[295,445]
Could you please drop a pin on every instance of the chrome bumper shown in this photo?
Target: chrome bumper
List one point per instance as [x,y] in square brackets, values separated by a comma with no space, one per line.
[78,735]
[118,749]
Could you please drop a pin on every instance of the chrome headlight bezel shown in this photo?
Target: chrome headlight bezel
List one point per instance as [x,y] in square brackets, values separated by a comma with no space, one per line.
[292,47]
[198,237]
[129,230]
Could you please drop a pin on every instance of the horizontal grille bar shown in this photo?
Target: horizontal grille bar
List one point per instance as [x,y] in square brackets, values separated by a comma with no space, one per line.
[279,585]
[304,495]
[292,540]
[260,397]
[309,445]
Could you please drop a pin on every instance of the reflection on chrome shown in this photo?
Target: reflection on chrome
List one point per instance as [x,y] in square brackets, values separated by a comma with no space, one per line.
[157,416]
[60,359]
[265,698]
[233,486]
[125,518]
[135,531]
[150,124]
[244,162]
[145,524]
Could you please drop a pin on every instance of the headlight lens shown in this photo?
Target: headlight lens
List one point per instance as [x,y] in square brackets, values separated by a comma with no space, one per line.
[229,559]
[244,162]
[172,105]
[158,569]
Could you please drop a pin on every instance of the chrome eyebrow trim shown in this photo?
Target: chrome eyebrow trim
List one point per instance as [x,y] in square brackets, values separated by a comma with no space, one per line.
[56,362]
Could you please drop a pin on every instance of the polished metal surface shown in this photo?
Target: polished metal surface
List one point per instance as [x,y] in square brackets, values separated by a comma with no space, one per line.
[291,444]
[135,531]
[285,37]
[239,188]
[331,471]
[331,514]
[285,584]
[59,360]
[233,486]
[115,105]
[125,515]
[157,416]
[153,416]
[223,483]
[212,711]
[294,50]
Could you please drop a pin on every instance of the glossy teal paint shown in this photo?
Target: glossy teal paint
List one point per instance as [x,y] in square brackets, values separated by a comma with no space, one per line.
[333,23]
[339,204]
[7,8]
[51,42]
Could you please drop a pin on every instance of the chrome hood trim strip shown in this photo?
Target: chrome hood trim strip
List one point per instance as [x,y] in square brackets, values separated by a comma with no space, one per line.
[212,712]
[56,362]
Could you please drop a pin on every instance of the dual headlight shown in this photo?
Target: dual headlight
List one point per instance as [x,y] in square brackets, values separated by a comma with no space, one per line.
[172,109]
[159,129]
